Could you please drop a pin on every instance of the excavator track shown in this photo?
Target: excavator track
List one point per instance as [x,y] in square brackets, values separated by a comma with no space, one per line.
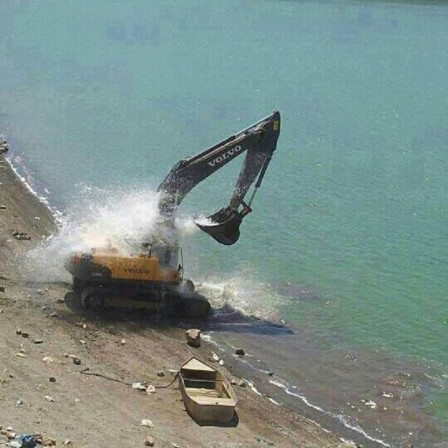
[167,301]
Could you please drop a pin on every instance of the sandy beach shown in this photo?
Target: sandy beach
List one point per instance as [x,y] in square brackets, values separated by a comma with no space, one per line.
[43,391]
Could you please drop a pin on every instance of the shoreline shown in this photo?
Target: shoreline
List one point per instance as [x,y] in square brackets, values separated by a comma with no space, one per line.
[38,309]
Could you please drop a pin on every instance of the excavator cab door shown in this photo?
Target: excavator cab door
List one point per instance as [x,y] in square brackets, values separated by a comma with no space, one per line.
[224,225]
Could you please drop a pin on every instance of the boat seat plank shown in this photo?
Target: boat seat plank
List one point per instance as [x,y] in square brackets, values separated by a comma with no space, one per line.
[214,401]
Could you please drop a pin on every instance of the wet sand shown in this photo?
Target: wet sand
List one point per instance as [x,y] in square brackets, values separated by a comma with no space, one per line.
[42,329]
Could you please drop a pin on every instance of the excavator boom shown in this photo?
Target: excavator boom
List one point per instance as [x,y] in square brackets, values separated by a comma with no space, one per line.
[258,143]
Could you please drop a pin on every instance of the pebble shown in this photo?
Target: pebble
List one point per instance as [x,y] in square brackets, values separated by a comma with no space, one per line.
[240,351]
[18,331]
[54,314]
[150,389]
[52,379]
[193,336]
[242,383]
[215,357]
[25,335]
[2,289]
[67,442]
[49,442]
[19,402]
[38,341]
[161,373]
[2,207]
[10,434]
[138,386]
[221,362]
[47,359]
[49,398]
[123,341]
[147,423]
[77,361]
[21,355]
[149,441]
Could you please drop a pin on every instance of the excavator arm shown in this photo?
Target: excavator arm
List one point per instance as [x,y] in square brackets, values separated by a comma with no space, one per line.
[258,143]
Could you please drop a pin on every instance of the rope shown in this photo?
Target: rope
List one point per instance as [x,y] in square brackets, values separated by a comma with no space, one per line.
[166,387]
[84,372]
[105,377]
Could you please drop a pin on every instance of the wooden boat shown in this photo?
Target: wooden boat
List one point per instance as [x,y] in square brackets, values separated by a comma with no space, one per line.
[207,395]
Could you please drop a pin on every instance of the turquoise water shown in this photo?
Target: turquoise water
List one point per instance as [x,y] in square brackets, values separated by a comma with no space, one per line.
[353,208]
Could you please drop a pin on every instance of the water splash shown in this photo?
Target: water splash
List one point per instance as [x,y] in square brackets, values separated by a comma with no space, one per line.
[241,292]
[123,219]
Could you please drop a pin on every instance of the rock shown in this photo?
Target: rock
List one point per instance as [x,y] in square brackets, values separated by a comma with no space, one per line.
[21,236]
[138,386]
[49,398]
[19,402]
[2,207]
[38,341]
[10,435]
[18,331]
[25,335]
[149,441]
[161,373]
[52,379]
[194,337]
[47,359]
[123,341]
[150,389]
[147,423]
[233,382]
[76,361]
[240,351]
[242,383]
[21,355]
[221,362]
[215,357]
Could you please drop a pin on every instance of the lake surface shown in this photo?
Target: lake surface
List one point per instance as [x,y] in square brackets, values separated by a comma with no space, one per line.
[348,239]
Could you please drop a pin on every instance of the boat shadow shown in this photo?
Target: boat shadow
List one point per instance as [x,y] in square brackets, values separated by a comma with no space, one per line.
[231,424]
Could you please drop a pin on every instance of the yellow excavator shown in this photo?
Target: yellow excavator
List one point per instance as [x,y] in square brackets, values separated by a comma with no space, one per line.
[153,277]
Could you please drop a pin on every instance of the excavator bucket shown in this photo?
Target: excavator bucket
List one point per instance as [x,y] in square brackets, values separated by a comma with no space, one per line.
[224,226]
